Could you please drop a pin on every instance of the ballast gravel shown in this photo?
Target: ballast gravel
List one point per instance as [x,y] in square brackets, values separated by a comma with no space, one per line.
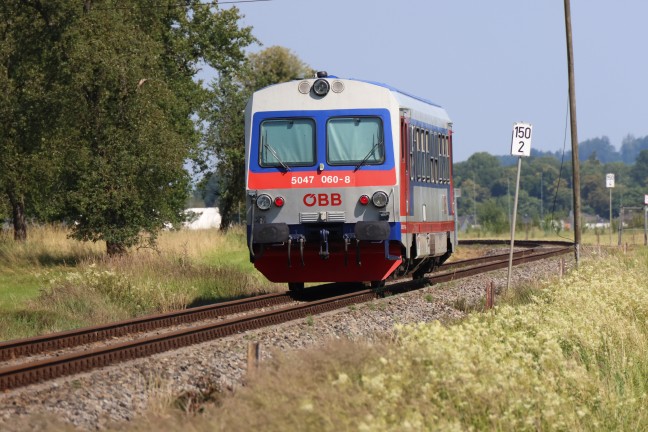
[109,396]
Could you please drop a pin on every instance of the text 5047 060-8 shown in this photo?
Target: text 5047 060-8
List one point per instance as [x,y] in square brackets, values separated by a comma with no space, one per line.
[325,179]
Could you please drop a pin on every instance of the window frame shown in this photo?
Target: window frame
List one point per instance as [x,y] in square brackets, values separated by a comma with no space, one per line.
[264,164]
[354,162]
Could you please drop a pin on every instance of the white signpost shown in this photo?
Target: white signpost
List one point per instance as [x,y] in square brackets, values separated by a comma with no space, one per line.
[609,180]
[520,146]
[521,140]
[609,183]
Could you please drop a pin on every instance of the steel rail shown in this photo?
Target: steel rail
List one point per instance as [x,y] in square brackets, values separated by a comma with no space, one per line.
[487,267]
[68,364]
[18,348]
[29,373]
[34,345]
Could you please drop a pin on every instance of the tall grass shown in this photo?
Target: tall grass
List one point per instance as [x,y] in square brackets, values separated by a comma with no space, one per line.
[64,284]
[573,358]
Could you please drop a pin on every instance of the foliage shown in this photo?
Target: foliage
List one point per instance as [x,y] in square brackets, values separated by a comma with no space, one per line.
[54,283]
[225,137]
[544,365]
[101,103]
[30,48]
[545,186]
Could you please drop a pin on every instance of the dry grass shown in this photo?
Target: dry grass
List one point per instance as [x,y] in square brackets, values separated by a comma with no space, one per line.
[55,283]
[573,356]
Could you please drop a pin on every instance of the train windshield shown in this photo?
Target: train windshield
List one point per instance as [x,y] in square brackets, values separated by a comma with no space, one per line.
[286,142]
[355,141]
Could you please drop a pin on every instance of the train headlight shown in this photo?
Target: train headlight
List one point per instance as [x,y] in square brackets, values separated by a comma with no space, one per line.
[279,201]
[380,199]
[364,200]
[321,87]
[264,201]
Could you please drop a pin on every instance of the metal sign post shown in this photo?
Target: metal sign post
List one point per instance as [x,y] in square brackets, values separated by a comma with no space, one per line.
[609,183]
[520,146]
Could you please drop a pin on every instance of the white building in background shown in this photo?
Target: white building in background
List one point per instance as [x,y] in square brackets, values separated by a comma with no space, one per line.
[202,218]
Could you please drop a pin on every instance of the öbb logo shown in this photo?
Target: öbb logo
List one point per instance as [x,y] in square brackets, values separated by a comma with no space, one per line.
[322,199]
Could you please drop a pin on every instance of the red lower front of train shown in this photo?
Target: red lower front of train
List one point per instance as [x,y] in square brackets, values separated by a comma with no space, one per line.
[362,261]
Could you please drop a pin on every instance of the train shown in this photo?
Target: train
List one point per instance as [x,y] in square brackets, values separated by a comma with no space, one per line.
[347,180]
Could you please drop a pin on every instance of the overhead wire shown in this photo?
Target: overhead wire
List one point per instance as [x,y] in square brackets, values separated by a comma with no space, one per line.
[179,5]
[562,162]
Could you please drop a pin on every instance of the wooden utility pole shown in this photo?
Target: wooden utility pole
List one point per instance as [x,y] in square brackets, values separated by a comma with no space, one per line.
[574,134]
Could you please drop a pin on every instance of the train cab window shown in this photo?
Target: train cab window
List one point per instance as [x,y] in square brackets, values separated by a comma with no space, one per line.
[355,140]
[286,142]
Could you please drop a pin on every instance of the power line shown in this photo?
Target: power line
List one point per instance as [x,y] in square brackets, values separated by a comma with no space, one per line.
[180,5]
[167,6]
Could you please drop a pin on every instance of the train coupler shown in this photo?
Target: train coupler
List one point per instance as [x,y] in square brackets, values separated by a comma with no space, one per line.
[358,252]
[324,245]
[347,241]
[301,240]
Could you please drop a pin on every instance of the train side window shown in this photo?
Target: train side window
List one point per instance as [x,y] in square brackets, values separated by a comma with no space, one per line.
[419,139]
[353,140]
[435,156]
[445,158]
[417,148]
[442,159]
[426,157]
[412,149]
[286,142]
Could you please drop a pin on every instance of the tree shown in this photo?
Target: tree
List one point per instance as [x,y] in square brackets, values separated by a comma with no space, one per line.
[639,172]
[226,134]
[30,49]
[492,216]
[132,99]
[109,90]
[599,148]
[631,147]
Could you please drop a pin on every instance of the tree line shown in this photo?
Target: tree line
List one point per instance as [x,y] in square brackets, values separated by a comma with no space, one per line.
[487,187]
[101,109]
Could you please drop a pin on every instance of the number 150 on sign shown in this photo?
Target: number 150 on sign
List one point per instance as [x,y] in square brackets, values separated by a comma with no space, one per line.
[521,140]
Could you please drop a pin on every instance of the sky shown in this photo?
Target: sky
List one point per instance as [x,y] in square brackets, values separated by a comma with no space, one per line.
[488,63]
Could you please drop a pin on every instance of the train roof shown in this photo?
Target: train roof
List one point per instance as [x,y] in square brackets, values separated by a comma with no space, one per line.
[419,108]
[396,90]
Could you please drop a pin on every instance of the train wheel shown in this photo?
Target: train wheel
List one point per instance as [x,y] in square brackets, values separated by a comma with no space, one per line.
[420,273]
[295,286]
[377,284]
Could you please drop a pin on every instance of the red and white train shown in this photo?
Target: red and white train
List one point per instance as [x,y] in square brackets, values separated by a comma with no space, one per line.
[347,180]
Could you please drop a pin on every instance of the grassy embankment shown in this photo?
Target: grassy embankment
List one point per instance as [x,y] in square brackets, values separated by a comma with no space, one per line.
[572,356]
[53,283]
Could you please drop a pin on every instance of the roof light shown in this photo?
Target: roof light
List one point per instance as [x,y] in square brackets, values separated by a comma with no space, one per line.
[321,87]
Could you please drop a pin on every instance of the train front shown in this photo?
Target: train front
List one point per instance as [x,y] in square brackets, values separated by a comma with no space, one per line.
[322,191]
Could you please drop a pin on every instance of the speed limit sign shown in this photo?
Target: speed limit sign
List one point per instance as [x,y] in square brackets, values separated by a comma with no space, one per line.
[521,139]
[609,180]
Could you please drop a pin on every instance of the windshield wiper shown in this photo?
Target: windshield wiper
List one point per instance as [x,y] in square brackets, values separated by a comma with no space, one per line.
[366,158]
[276,156]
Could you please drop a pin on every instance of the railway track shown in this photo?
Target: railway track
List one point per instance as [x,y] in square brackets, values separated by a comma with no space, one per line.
[98,346]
